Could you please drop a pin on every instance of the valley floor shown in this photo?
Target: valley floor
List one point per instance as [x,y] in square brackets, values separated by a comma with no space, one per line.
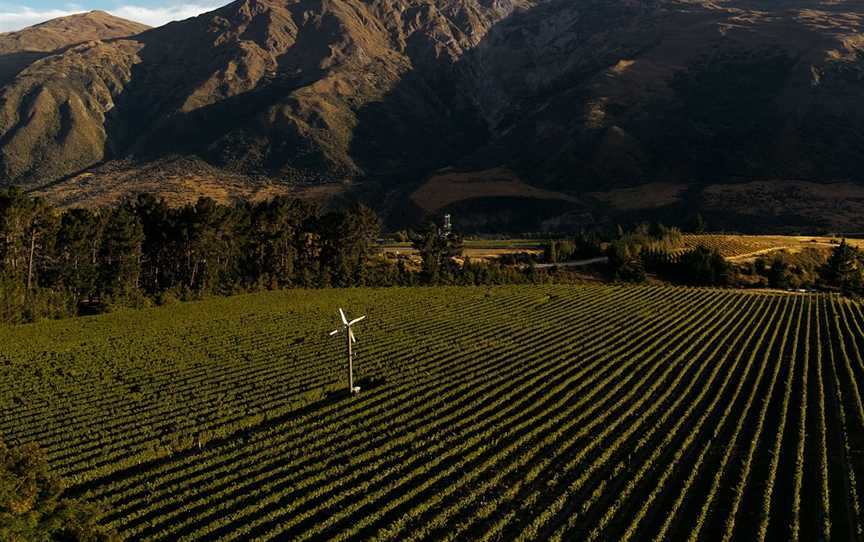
[584,412]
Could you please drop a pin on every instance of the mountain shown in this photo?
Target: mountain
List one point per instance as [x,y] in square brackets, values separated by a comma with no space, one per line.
[262,87]
[511,114]
[22,48]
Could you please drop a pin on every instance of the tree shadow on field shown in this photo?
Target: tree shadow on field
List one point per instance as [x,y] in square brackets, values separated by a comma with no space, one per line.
[369,383]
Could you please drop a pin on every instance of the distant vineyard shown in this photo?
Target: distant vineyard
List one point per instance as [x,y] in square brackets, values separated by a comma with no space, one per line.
[737,245]
[526,413]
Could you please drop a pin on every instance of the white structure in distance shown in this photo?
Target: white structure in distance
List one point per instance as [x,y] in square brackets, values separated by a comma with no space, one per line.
[349,338]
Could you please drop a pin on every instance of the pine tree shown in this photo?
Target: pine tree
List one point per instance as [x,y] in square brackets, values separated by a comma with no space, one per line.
[845,269]
[120,256]
[79,238]
[437,252]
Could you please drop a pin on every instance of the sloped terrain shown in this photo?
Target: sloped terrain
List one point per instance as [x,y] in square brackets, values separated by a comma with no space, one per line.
[22,48]
[259,86]
[584,99]
[684,94]
[179,180]
[53,116]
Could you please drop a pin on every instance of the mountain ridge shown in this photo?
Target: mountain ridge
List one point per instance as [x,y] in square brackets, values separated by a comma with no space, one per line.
[589,102]
[20,48]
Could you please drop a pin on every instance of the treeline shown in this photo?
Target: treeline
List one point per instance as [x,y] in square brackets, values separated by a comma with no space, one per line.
[658,250]
[841,270]
[647,248]
[55,264]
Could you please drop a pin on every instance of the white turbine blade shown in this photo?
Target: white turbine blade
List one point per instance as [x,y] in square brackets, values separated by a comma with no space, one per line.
[342,314]
[354,321]
[334,332]
[351,334]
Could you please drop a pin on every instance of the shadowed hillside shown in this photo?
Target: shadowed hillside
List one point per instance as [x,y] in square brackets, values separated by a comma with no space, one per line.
[588,106]
[259,86]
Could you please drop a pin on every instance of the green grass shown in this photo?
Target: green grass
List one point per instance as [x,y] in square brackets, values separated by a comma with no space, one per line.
[480,243]
[578,412]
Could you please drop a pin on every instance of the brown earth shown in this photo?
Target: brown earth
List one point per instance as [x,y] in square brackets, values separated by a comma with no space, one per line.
[21,48]
[835,207]
[648,196]
[179,180]
[258,86]
[446,188]
[625,104]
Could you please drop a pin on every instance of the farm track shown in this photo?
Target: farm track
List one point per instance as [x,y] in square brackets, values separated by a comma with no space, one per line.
[550,412]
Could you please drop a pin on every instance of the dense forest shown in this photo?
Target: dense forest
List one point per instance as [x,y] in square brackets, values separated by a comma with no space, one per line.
[56,263]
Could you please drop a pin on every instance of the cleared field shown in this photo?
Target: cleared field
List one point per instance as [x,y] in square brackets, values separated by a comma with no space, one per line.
[447,187]
[530,413]
[485,249]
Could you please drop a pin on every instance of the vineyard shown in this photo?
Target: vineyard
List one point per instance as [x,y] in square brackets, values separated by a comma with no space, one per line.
[736,245]
[588,412]
[744,246]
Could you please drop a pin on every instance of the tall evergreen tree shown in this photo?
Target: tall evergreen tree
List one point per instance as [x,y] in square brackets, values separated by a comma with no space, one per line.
[437,252]
[120,255]
[159,227]
[625,261]
[79,238]
[277,229]
[205,237]
[702,267]
[349,237]
[27,226]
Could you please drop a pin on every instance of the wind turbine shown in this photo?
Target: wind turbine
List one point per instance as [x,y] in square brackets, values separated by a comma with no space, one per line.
[349,338]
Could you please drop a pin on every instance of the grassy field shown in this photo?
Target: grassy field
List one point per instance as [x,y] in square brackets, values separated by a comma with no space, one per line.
[579,412]
[477,249]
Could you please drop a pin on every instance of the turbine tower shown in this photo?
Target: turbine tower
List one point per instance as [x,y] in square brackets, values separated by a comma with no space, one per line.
[349,338]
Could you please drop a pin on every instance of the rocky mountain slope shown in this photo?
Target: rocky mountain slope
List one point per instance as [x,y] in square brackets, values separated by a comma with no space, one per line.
[261,86]
[528,113]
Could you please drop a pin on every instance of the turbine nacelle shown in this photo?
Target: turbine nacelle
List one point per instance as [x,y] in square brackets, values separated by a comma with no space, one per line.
[346,325]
